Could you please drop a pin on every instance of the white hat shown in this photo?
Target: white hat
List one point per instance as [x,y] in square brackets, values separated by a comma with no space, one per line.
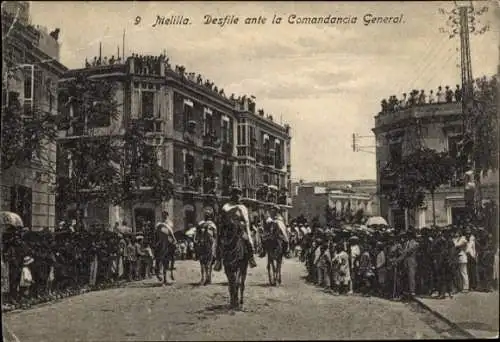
[28,260]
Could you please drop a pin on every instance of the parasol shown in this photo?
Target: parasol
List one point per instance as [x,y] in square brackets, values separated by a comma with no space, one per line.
[376,221]
[10,218]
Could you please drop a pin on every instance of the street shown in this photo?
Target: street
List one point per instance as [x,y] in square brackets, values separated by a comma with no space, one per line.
[185,311]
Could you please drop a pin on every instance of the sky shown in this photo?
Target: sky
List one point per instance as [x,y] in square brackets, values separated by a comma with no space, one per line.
[325,80]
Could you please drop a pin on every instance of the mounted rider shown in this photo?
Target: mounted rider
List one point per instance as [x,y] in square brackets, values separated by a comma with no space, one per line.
[206,224]
[233,212]
[166,226]
[276,220]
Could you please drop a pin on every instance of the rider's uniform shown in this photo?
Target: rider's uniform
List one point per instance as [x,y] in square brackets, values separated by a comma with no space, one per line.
[238,214]
[167,228]
[209,225]
[280,223]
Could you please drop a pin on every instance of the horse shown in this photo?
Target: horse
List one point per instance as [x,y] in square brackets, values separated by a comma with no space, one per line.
[235,256]
[206,244]
[273,246]
[165,255]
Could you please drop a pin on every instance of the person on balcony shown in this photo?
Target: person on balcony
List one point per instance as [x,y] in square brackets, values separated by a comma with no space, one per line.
[432,99]
[448,95]
[421,97]
[458,94]
[403,103]
[440,95]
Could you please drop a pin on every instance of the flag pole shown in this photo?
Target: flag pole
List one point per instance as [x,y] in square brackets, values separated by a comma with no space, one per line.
[123,44]
[100,50]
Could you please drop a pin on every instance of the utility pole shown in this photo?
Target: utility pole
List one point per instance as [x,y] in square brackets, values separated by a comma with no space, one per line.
[463,20]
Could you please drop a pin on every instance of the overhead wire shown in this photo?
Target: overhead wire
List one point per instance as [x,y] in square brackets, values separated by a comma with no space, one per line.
[431,63]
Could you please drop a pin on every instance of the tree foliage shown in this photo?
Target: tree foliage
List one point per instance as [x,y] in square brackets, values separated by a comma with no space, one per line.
[484,134]
[115,168]
[421,171]
[25,135]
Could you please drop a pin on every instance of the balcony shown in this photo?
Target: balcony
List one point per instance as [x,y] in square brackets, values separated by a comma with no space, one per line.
[210,185]
[227,147]
[421,111]
[152,125]
[268,160]
[192,182]
[211,142]
[283,197]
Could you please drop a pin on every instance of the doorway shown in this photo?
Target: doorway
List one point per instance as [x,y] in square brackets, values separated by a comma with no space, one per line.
[141,217]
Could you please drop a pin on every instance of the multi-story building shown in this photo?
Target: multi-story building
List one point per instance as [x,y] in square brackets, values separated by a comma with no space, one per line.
[31,69]
[263,159]
[312,199]
[192,125]
[400,131]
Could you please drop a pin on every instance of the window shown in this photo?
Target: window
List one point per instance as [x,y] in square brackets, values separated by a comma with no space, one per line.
[189,164]
[20,203]
[242,134]
[453,145]
[147,104]
[225,129]
[28,82]
[188,113]
[396,152]
[207,122]
[277,155]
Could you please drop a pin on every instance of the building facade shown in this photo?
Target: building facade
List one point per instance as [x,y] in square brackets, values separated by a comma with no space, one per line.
[31,69]
[434,125]
[312,201]
[192,125]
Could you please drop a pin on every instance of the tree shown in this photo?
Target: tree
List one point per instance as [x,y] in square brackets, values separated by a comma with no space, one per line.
[114,168]
[421,171]
[25,135]
[479,148]
[432,169]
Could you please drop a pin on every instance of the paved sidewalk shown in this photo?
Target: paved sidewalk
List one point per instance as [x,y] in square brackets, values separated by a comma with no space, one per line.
[475,312]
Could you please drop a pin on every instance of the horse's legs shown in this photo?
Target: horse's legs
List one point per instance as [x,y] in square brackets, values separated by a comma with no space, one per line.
[231,284]
[237,287]
[278,266]
[172,265]
[243,278]
[269,269]
[202,268]
[164,264]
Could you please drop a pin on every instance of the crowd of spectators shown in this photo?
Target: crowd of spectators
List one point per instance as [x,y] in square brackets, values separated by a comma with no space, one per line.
[418,98]
[435,262]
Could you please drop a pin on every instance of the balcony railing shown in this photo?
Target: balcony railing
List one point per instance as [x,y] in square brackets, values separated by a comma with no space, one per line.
[210,185]
[152,125]
[211,141]
[192,182]
[227,147]
[268,160]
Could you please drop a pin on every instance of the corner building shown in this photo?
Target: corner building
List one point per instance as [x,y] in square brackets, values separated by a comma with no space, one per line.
[437,126]
[193,127]
[30,72]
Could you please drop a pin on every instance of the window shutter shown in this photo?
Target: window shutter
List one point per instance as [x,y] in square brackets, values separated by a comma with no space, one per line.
[136,103]
[178,166]
[178,113]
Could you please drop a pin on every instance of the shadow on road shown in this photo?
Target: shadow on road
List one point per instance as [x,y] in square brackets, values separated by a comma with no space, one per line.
[263,285]
[143,285]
